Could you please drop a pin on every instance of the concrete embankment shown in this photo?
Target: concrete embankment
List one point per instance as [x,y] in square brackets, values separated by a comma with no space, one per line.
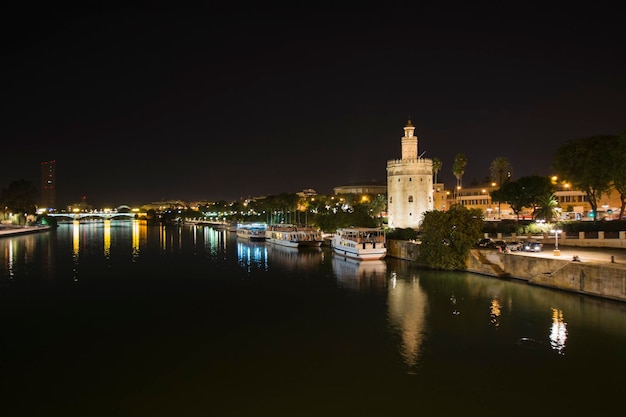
[19,230]
[593,278]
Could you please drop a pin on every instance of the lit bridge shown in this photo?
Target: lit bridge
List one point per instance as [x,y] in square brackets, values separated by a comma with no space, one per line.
[107,215]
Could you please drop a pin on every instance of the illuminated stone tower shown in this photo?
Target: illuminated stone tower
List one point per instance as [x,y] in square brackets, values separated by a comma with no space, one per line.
[48,185]
[409,184]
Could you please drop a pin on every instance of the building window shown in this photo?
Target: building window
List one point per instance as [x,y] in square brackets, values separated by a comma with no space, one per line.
[390,199]
[410,179]
[410,199]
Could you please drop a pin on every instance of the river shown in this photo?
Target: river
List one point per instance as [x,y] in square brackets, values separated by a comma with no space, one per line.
[118,318]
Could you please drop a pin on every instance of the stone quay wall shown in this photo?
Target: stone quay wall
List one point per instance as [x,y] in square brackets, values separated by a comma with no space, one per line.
[604,280]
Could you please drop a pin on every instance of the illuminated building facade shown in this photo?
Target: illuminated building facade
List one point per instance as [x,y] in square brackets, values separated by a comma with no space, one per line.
[409,184]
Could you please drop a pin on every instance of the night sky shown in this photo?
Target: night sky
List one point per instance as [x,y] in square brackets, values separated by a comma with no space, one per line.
[143,103]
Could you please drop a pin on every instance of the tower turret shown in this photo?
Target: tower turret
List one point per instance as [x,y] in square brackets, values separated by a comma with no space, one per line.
[409,142]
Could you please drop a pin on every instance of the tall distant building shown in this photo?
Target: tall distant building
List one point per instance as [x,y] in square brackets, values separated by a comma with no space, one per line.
[409,184]
[48,185]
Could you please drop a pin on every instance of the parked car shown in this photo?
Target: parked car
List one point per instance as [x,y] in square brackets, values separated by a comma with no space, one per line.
[499,244]
[486,243]
[514,246]
[533,246]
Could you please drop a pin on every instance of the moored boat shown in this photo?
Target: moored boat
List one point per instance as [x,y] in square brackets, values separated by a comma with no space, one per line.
[252,231]
[362,243]
[294,236]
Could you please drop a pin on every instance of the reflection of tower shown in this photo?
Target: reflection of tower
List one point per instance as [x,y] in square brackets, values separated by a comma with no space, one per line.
[407,313]
[48,185]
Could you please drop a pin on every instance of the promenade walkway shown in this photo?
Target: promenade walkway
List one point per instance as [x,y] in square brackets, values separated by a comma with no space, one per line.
[585,254]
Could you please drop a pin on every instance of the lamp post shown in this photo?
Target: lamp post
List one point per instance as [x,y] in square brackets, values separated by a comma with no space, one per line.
[556,232]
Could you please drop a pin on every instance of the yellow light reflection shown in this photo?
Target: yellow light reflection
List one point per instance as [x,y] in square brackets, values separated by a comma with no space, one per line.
[135,239]
[107,238]
[75,246]
[558,331]
[495,310]
[75,237]
[407,313]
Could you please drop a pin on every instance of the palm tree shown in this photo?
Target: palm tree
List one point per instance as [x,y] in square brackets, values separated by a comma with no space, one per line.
[437,164]
[500,169]
[546,207]
[458,169]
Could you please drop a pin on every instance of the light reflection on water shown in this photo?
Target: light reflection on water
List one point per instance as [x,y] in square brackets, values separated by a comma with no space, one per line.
[251,255]
[408,304]
[384,328]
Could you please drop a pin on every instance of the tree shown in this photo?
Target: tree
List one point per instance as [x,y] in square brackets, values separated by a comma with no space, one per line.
[525,192]
[619,170]
[546,207]
[458,169]
[500,169]
[584,163]
[437,164]
[512,193]
[448,236]
[20,198]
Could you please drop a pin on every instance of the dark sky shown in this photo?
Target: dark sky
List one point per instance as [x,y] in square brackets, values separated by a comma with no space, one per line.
[142,103]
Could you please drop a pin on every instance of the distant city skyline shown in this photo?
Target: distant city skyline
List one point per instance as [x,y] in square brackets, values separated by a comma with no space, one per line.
[202,102]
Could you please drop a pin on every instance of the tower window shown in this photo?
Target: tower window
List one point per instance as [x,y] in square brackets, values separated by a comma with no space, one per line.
[410,199]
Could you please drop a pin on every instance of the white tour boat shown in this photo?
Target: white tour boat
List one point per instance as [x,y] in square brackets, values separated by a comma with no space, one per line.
[294,236]
[252,231]
[362,243]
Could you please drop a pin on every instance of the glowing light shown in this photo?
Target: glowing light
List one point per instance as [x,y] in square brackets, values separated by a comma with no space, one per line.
[558,332]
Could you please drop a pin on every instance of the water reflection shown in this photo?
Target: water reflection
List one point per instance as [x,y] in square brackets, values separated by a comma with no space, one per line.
[558,331]
[27,258]
[139,235]
[75,248]
[408,303]
[107,238]
[294,259]
[251,255]
[360,275]
[495,310]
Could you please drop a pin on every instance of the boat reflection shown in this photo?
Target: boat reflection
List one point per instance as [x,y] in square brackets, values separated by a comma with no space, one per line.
[360,275]
[251,255]
[294,258]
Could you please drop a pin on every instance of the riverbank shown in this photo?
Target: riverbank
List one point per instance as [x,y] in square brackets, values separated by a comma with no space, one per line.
[12,230]
[599,272]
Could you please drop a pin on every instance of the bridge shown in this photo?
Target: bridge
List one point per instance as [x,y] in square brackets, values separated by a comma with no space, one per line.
[106,215]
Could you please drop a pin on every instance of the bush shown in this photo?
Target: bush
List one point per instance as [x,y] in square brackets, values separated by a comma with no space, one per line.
[402,234]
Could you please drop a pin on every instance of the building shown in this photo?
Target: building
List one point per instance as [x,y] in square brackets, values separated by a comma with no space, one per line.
[363,187]
[48,185]
[409,184]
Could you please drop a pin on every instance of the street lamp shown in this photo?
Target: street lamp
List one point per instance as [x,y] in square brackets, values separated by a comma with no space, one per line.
[556,232]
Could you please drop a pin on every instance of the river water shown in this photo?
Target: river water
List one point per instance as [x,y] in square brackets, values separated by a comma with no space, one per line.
[118,318]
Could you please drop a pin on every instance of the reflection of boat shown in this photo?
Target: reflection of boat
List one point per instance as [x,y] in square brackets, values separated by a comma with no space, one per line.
[294,236]
[252,231]
[362,243]
[252,254]
[306,257]
[355,274]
